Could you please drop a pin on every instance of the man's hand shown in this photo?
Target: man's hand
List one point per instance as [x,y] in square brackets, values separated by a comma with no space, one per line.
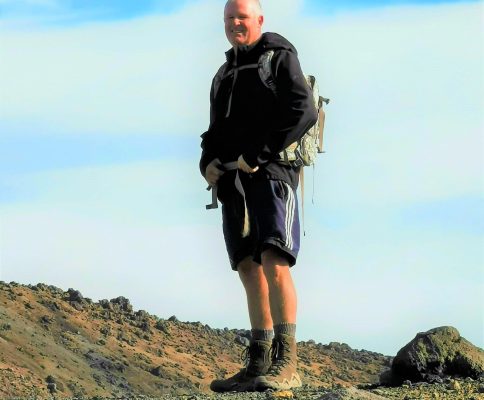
[213,173]
[242,165]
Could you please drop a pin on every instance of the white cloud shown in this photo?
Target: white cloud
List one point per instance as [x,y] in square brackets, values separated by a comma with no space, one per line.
[144,75]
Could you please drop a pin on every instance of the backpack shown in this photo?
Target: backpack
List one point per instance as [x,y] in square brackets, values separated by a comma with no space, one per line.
[303,151]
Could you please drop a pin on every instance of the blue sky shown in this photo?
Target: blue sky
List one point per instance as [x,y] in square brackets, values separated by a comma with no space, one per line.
[89,10]
[101,108]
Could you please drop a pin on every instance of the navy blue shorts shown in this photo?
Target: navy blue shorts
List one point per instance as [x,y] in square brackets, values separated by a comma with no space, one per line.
[273,217]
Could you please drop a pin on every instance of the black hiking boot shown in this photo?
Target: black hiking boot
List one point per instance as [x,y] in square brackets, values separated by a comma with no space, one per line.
[282,375]
[257,362]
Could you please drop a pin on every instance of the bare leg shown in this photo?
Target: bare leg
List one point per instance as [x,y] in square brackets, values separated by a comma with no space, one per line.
[258,359]
[282,293]
[252,276]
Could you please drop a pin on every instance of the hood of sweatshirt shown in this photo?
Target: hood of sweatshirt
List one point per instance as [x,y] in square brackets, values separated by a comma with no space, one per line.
[268,41]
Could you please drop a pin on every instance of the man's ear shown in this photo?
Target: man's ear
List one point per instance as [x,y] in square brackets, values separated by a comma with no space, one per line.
[261,20]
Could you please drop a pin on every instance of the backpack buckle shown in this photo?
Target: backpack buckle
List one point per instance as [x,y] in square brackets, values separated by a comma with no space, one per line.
[298,161]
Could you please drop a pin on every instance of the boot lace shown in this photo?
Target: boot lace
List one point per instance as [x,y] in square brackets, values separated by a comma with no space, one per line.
[251,358]
[278,359]
[245,356]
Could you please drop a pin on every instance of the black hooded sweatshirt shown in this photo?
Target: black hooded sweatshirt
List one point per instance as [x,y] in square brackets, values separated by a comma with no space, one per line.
[248,119]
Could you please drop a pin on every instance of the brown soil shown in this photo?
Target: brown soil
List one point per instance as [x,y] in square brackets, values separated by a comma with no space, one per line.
[57,343]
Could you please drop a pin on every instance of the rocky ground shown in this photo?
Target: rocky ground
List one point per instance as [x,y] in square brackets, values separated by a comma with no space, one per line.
[453,390]
[58,344]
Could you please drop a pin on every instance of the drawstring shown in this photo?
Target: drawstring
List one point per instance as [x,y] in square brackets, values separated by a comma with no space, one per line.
[234,78]
[229,106]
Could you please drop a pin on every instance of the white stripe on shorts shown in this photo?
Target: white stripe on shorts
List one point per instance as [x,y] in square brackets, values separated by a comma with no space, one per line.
[290,206]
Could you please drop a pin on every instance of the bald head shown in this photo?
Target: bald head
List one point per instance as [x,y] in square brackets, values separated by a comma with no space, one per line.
[243,22]
[254,4]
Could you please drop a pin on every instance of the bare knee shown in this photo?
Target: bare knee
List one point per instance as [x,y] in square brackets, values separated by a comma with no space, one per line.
[249,271]
[275,265]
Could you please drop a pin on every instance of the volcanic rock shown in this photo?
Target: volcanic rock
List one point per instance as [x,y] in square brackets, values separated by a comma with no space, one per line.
[434,355]
[122,303]
[75,295]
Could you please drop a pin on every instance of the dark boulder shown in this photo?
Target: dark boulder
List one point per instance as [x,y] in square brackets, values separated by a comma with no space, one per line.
[75,295]
[106,304]
[76,299]
[122,303]
[55,290]
[54,385]
[158,371]
[98,361]
[433,355]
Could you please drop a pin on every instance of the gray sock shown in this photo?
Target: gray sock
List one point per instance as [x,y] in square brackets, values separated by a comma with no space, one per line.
[285,328]
[262,334]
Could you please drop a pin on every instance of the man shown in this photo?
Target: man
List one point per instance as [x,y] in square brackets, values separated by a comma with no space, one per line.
[249,126]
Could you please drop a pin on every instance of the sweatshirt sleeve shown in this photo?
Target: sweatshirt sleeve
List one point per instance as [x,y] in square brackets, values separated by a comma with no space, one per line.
[296,111]
[208,143]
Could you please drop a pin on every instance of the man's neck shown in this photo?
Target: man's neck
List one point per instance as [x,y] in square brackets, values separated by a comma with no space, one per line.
[246,48]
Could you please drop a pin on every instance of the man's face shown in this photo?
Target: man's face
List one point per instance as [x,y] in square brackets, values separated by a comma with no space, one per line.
[242,22]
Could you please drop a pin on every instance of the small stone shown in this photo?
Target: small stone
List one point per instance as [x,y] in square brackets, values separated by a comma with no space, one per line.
[52,387]
[285,394]
[158,371]
[455,385]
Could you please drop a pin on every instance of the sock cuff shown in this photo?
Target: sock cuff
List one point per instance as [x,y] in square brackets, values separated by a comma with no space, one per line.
[262,334]
[285,328]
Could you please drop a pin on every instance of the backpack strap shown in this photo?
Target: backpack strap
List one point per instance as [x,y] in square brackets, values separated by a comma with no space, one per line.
[218,78]
[265,71]
[322,116]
